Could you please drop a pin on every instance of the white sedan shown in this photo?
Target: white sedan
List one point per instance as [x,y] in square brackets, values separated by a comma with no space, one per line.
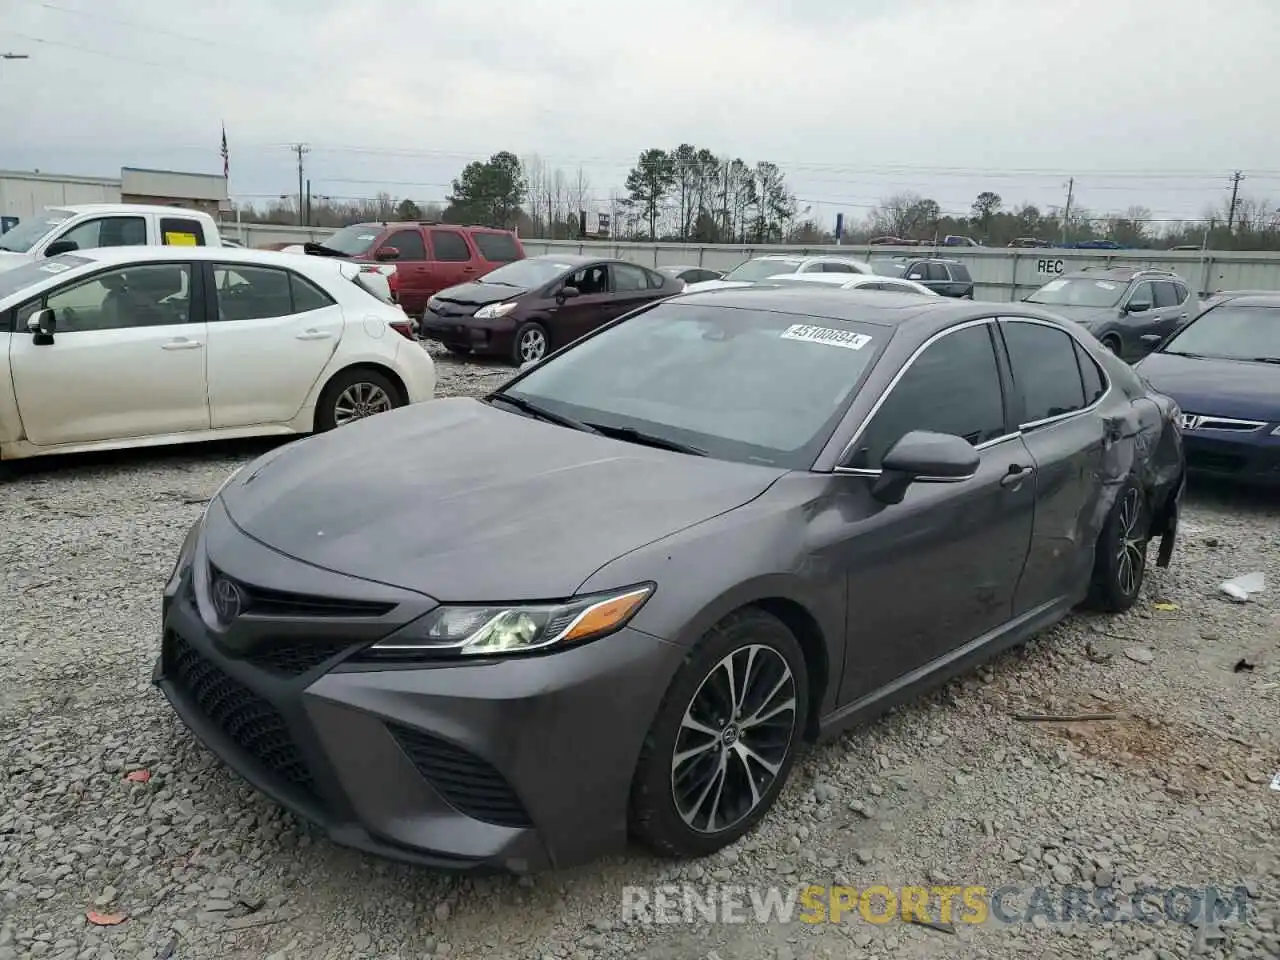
[759,268]
[143,346]
[861,282]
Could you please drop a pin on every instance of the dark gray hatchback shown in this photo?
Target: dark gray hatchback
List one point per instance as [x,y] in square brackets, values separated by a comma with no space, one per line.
[614,597]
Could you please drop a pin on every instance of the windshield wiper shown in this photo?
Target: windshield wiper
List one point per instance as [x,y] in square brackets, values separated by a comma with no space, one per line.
[542,413]
[1184,353]
[497,283]
[633,435]
[1265,359]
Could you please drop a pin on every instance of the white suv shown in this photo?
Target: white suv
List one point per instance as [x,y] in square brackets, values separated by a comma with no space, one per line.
[762,268]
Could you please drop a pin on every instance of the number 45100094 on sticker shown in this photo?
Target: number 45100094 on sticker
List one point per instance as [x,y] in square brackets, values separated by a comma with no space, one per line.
[833,338]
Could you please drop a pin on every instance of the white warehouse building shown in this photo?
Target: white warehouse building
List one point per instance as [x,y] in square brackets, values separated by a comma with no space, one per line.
[24,193]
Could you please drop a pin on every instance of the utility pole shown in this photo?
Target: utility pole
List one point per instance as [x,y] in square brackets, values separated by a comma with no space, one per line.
[1235,199]
[14,56]
[301,149]
[1066,211]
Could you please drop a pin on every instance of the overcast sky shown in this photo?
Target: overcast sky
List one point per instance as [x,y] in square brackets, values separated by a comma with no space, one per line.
[1145,102]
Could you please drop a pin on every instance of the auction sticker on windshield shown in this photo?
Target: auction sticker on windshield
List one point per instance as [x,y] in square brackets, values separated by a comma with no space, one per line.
[832,338]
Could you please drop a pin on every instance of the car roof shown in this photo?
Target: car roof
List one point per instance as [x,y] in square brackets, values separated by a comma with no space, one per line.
[109,256]
[1122,274]
[1251,298]
[575,259]
[78,208]
[924,315]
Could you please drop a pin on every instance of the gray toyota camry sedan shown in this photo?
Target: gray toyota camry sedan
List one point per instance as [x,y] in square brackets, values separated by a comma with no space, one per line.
[614,598]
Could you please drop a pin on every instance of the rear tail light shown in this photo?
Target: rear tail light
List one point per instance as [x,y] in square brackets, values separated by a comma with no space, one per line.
[404,328]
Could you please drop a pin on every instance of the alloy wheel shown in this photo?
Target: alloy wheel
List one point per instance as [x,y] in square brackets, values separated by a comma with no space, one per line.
[1131,557]
[533,344]
[360,400]
[734,738]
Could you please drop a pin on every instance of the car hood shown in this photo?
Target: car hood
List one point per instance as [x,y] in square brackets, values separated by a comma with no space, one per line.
[716,285]
[1223,388]
[1081,315]
[467,502]
[478,293]
[9,259]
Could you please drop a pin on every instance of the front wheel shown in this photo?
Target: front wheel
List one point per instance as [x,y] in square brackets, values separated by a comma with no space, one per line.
[353,395]
[1120,561]
[1112,343]
[724,739]
[531,344]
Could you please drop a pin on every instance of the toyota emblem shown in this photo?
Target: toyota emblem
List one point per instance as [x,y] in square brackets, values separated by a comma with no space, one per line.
[227,599]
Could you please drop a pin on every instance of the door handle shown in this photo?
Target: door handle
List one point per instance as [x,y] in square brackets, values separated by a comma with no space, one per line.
[1017,473]
[314,335]
[181,343]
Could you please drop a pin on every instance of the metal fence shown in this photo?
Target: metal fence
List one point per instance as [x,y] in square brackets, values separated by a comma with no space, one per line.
[998,273]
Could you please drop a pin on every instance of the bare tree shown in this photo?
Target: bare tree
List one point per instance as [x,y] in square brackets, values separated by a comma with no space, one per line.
[579,194]
[535,172]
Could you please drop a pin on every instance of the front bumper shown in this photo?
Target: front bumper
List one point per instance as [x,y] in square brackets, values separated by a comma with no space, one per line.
[465,332]
[517,764]
[1253,459]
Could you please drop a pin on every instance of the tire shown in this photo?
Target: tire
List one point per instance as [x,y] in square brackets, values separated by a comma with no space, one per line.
[1112,343]
[531,343]
[1120,560]
[367,391]
[665,813]
[458,351]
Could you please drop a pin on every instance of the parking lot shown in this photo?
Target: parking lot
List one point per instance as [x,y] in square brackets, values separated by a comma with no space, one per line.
[952,790]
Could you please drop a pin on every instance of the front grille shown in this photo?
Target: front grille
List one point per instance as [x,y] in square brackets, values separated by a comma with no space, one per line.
[245,718]
[471,786]
[279,603]
[292,658]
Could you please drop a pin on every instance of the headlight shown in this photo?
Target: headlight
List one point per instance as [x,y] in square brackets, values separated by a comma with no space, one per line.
[184,555]
[494,310]
[518,628]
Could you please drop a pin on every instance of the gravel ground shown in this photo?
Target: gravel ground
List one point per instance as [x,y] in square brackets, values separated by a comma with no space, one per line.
[950,790]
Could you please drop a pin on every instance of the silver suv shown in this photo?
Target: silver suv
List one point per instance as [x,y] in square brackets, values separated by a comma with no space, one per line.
[1129,309]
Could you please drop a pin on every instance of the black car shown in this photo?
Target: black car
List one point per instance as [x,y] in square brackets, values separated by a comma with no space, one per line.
[528,308]
[1223,369]
[1129,309]
[614,597]
[947,278]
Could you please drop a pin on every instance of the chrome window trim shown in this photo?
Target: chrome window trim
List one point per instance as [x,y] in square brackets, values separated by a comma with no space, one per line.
[1030,425]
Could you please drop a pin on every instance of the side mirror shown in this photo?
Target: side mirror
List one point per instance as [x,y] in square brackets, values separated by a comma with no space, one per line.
[1138,306]
[41,325]
[924,457]
[568,293]
[61,246]
[387,253]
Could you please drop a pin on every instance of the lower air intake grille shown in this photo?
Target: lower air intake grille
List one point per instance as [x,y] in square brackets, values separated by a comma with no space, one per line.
[292,658]
[247,720]
[470,785]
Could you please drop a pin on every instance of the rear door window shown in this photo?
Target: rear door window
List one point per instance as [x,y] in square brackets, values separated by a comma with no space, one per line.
[450,246]
[936,272]
[1045,368]
[960,272]
[1095,384]
[628,278]
[108,232]
[181,232]
[496,247]
[409,243]
[831,266]
[1165,293]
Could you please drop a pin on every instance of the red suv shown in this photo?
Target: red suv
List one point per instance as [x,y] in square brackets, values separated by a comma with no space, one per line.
[428,256]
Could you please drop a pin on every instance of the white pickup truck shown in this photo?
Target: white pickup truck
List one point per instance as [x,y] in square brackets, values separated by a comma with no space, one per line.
[64,229]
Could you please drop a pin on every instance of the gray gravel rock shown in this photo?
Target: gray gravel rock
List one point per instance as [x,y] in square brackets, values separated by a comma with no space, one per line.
[947,790]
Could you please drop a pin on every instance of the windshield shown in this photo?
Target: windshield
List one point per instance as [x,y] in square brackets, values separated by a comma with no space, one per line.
[24,236]
[1231,333]
[1079,292]
[754,270]
[527,274]
[12,281]
[353,241]
[753,386]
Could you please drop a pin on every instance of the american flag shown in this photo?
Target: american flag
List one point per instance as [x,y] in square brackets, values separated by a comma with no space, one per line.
[226,157]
